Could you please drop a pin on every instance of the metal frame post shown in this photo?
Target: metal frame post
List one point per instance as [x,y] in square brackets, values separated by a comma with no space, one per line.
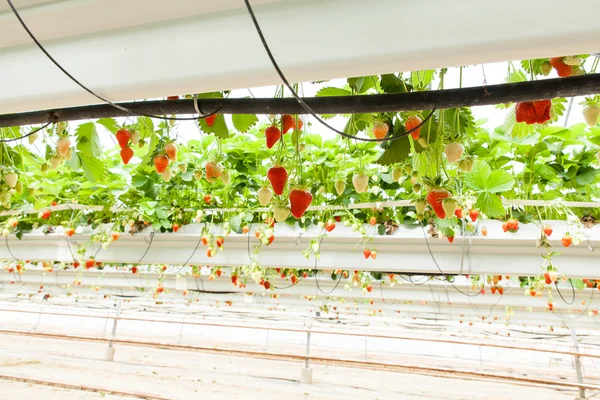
[109,354]
[577,363]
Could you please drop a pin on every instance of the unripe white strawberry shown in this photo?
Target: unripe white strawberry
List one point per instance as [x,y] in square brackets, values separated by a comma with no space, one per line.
[360,182]
[454,152]
[264,195]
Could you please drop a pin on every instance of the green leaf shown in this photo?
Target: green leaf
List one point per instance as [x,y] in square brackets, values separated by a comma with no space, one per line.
[219,128]
[477,178]
[94,169]
[499,181]
[397,152]
[516,76]
[391,83]
[421,79]
[110,124]
[330,91]
[139,180]
[490,204]
[243,122]
[586,176]
[88,141]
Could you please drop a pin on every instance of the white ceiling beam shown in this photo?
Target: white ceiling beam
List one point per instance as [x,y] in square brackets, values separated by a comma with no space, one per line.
[144,49]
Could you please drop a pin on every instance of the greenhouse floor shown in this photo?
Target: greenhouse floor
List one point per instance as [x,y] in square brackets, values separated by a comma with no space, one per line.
[173,374]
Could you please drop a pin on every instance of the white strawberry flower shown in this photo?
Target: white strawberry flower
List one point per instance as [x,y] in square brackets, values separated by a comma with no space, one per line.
[375,178]
[375,189]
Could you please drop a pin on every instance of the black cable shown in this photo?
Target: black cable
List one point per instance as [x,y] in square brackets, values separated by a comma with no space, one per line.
[560,294]
[194,252]
[27,135]
[442,272]
[90,91]
[306,106]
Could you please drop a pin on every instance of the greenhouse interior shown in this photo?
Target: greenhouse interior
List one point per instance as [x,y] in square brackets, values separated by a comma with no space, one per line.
[285,199]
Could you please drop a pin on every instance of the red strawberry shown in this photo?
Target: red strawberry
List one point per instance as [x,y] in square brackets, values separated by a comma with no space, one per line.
[411,123]
[89,263]
[369,288]
[524,112]
[513,225]
[450,238]
[204,240]
[210,120]
[172,97]
[567,240]
[288,123]
[299,201]
[213,170]
[171,151]
[126,154]
[218,273]
[473,214]
[278,177]
[115,235]
[234,279]
[380,129]
[434,198]
[207,198]
[175,227]
[329,225]
[367,253]
[373,221]
[337,218]
[134,270]
[547,230]
[505,226]
[271,239]
[62,145]
[220,240]
[562,69]
[267,285]
[245,229]
[542,110]
[123,137]
[458,212]
[494,289]
[45,214]
[70,232]
[161,162]
[76,264]
[294,279]
[500,290]
[273,134]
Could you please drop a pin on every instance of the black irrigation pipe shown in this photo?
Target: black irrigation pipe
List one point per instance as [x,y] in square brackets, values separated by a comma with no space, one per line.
[414,101]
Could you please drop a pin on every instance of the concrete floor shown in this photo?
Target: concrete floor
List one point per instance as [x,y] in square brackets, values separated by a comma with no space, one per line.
[185,375]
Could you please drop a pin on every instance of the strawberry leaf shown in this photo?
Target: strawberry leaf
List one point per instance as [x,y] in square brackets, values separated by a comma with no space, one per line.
[219,127]
[499,181]
[88,141]
[243,122]
[397,152]
[490,204]
[477,178]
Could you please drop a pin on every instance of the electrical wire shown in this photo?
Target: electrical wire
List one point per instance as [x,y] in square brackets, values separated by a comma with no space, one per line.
[442,272]
[29,134]
[572,292]
[306,107]
[90,91]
